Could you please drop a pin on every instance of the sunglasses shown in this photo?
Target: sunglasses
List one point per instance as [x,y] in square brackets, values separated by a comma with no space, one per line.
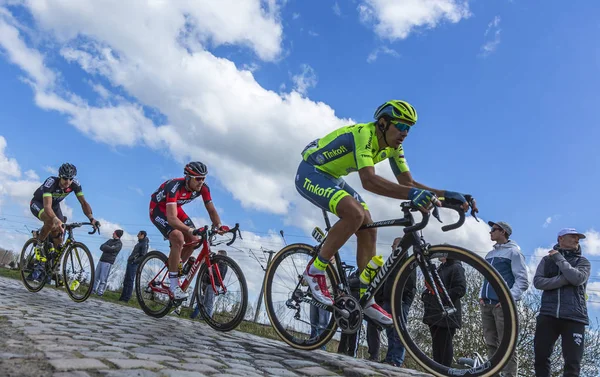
[67,179]
[198,179]
[402,127]
[495,229]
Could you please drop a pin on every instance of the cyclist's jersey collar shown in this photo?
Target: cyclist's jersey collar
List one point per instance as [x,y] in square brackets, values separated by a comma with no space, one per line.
[351,148]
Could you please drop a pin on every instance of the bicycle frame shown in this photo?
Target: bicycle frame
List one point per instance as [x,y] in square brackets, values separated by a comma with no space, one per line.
[204,256]
[412,238]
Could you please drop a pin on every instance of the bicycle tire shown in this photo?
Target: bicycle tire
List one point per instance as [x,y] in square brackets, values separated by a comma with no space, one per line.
[155,254]
[23,264]
[281,330]
[511,327]
[72,293]
[239,317]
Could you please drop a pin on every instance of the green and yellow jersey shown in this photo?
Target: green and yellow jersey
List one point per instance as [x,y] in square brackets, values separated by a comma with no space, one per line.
[350,149]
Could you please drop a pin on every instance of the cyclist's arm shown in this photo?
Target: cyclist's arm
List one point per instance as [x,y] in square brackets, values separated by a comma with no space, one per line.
[48,206]
[213,214]
[85,206]
[406,179]
[381,186]
[173,220]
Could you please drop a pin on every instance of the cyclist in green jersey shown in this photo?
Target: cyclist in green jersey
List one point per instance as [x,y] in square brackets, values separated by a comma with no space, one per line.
[358,148]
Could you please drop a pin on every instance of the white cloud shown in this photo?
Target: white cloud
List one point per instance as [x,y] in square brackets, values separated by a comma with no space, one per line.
[591,244]
[204,97]
[313,33]
[493,39]
[336,9]
[305,80]
[547,222]
[51,169]
[137,190]
[32,175]
[8,166]
[295,16]
[396,19]
[381,50]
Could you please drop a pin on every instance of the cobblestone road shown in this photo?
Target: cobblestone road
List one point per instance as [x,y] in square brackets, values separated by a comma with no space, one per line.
[47,334]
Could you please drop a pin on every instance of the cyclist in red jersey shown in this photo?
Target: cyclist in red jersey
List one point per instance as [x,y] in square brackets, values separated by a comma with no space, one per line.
[174,224]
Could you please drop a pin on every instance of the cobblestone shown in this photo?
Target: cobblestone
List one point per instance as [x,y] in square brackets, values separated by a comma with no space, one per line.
[101,339]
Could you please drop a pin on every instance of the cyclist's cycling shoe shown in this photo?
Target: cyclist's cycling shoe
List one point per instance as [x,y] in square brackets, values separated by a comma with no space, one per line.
[317,284]
[39,255]
[377,314]
[179,294]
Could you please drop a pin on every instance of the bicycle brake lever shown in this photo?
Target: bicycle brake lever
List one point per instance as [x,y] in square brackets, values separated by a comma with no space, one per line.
[436,214]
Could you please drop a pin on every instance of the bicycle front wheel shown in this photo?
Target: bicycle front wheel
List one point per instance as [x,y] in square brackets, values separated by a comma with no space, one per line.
[417,336]
[285,297]
[151,285]
[223,309]
[78,272]
[33,272]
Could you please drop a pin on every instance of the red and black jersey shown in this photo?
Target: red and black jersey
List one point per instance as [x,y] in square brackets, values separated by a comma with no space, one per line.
[175,191]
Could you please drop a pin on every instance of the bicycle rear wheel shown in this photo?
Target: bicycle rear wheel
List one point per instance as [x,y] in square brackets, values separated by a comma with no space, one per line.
[417,337]
[284,298]
[33,272]
[153,273]
[224,309]
[78,272]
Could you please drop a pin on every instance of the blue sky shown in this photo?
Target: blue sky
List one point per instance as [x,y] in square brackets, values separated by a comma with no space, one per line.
[505,92]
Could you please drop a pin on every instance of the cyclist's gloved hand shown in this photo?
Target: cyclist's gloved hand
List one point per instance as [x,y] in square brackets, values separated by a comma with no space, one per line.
[221,229]
[457,196]
[420,198]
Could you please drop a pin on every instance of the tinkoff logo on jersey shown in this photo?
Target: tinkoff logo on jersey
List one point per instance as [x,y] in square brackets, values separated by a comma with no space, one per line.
[315,189]
[335,152]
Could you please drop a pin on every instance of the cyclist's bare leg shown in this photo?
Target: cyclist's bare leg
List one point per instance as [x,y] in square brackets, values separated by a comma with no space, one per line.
[351,214]
[187,251]
[177,239]
[366,243]
[46,228]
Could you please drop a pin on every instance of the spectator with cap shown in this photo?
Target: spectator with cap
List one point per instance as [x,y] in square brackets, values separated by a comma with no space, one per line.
[139,250]
[110,249]
[562,275]
[507,259]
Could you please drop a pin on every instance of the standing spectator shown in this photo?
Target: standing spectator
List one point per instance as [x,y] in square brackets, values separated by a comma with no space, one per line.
[562,275]
[507,259]
[319,319]
[373,333]
[396,351]
[443,328]
[110,249]
[139,250]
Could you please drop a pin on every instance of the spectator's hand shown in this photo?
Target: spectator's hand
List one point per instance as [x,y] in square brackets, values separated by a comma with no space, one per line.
[481,301]
[396,242]
[497,305]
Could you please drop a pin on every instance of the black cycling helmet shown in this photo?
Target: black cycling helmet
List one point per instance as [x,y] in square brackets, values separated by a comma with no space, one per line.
[67,170]
[195,169]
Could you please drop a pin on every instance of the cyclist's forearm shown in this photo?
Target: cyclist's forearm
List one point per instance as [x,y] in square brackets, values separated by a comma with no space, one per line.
[381,186]
[87,210]
[214,217]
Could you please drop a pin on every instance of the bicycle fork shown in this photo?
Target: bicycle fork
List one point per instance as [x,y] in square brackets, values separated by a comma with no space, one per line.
[436,287]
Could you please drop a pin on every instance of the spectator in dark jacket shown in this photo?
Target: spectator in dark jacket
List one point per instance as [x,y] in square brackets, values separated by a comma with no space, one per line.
[562,275]
[395,351]
[443,328]
[139,250]
[110,249]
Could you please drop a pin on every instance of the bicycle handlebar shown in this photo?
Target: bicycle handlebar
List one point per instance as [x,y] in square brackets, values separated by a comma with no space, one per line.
[447,203]
[205,231]
[77,225]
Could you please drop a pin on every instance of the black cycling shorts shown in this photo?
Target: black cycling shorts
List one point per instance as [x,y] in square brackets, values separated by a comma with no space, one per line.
[37,208]
[159,219]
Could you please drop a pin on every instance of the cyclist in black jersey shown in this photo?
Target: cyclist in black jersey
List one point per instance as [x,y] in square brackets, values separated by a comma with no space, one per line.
[45,205]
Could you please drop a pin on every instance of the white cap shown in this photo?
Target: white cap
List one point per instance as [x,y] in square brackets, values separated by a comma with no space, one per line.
[566,231]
